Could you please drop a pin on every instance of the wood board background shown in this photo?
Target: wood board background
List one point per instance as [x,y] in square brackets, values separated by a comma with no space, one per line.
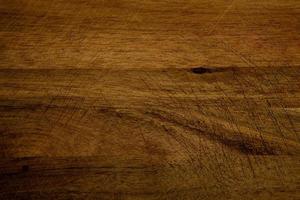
[129,99]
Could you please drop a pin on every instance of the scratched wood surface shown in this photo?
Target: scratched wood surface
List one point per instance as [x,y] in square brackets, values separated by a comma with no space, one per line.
[128,99]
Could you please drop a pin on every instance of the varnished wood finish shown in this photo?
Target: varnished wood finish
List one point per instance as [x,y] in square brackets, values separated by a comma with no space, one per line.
[149,99]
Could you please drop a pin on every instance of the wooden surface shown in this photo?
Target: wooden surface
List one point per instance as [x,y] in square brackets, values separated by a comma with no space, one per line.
[149,99]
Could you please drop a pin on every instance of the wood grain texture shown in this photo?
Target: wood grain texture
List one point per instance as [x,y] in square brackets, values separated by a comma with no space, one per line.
[130,99]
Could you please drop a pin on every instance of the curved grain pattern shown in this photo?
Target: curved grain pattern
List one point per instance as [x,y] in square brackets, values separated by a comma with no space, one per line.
[149,100]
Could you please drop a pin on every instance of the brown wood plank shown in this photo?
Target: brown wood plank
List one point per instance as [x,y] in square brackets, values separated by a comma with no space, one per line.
[149,34]
[149,99]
